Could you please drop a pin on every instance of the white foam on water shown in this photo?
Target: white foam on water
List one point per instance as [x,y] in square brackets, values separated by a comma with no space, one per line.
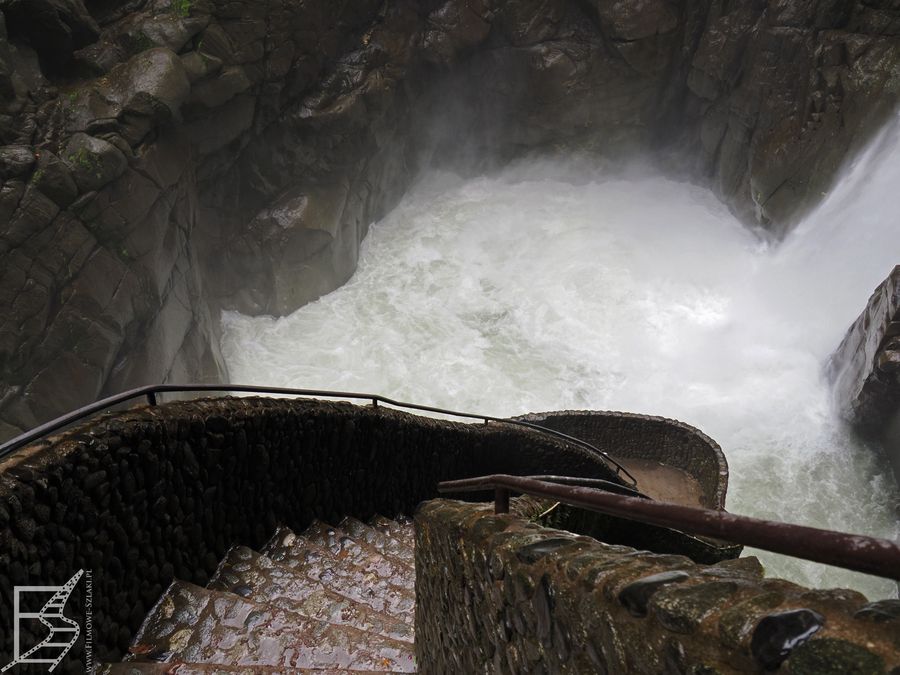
[547,288]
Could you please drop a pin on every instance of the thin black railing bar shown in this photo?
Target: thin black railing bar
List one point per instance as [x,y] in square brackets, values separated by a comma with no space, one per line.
[150,391]
[859,553]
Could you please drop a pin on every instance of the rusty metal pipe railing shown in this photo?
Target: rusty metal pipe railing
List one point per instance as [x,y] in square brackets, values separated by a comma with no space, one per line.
[859,553]
[150,392]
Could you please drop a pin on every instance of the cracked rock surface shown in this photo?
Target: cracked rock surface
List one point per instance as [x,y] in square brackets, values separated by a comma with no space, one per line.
[161,160]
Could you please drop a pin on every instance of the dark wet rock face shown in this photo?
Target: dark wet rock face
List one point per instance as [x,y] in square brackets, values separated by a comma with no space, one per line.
[880,611]
[162,160]
[485,603]
[777,635]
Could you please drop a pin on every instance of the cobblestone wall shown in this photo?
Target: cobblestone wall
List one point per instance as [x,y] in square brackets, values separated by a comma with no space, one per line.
[864,369]
[498,594]
[144,496]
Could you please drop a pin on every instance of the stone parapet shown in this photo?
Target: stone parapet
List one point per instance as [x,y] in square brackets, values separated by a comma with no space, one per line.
[865,368]
[649,437]
[495,593]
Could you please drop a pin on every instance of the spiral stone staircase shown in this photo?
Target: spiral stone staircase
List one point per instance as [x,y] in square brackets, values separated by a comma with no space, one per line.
[333,599]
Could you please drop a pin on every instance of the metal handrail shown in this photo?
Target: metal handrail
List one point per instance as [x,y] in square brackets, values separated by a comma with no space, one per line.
[150,392]
[870,555]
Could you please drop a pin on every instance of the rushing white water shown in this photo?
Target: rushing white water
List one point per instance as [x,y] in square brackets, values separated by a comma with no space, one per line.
[547,288]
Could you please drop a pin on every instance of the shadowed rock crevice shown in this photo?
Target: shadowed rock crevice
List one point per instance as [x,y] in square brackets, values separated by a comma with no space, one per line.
[199,155]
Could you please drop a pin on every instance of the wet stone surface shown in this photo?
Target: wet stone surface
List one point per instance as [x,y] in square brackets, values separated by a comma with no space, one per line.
[883,610]
[260,616]
[829,656]
[200,626]
[496,593]
[360,553]
[737,622]
[149,495]
[398,529]
[208,669]
[383,542]
[257,578]
[777,635]
[635,596]
[682,609]
[367,578]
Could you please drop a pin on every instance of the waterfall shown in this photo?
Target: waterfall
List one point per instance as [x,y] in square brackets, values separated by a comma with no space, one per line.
[552,286]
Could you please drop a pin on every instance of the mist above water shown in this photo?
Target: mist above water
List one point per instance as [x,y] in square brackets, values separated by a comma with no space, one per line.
[549,287]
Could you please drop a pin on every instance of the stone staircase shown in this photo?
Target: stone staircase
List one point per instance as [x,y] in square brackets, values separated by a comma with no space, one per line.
[332,600]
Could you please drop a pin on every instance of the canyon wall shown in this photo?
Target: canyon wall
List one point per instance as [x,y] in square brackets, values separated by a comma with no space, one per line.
[162,160]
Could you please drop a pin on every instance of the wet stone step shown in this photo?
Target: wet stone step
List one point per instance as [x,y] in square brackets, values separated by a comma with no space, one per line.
[198,625]
[367,583]
[379,540]
[257,578]
[400,529]
[359,553]
[179,668]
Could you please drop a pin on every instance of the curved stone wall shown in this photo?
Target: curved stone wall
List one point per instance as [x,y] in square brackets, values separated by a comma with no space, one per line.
[497,594]
[657,440]
[143,496]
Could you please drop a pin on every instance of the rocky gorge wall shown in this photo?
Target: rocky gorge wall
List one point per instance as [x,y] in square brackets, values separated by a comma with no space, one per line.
[164,159]
[864,370]
[143,496]
[498,594]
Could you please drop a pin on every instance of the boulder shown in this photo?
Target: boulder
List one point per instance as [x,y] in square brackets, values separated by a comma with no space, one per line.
[55,28]
[630,20]
[453,29]
[864,371]
[781,93]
